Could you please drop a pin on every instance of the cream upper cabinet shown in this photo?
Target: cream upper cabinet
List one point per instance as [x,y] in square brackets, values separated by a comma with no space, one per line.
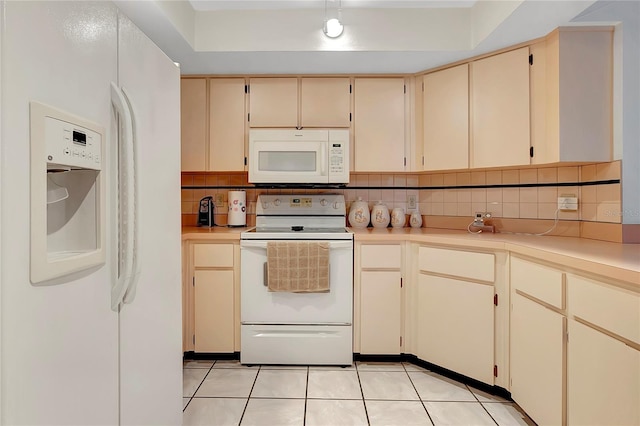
[300,102]
[273,102]
[379,124]
[500,110]
[571,96]
[193,123]
[325,102]
[445,106]
[379,281]
[226,124]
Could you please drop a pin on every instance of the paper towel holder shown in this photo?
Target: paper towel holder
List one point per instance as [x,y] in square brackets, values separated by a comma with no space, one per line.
[237,213]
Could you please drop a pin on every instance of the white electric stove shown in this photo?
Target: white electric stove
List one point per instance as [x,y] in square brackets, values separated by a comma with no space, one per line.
[297,328]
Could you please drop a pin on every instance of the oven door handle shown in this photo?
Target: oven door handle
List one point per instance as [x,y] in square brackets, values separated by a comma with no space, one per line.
[337,244]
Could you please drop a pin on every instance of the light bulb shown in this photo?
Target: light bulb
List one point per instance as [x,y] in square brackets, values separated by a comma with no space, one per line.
[333,28]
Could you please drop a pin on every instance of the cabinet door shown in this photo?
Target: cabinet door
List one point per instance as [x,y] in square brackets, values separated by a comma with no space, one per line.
[603,379]
[500,110]
[214,311]
[273,102]
[325,102]
[380,312]
[446,119]
[226,124]
[537,357]
[379,125]
[193,123]
[455,325]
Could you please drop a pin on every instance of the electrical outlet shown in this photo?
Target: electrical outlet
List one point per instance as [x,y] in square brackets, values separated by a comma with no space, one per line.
[568,202]
[480,217]
[219,200]
[411,202]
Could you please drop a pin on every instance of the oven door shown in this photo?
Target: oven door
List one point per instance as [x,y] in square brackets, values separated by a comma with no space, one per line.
[260,306]
[295,161]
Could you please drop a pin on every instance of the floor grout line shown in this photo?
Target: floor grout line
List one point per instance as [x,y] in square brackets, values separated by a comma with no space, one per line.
[419,397]
[362,398]
[249,396]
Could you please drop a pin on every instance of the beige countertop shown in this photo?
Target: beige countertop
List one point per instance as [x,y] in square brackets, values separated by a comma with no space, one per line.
[613,260]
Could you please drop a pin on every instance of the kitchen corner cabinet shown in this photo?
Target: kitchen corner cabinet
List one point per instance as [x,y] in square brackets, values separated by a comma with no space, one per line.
[379,279]
[193,123]
[446,119]
[300,102]
[571,96]
[379,125]
[455,315]
[575,346]
[211,291]
[226,124]
[538,345]
[500,110]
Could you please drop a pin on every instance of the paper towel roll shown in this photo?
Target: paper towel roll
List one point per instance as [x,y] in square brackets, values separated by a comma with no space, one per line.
[237,208]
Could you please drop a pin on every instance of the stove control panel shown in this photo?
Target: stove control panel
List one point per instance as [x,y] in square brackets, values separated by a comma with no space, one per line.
[302,204]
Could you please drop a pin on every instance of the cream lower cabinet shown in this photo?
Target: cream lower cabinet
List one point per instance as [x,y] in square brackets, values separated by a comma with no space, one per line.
[211,291]
[537,354]
[538,345]
[455,312]
[603,353]
[379,279]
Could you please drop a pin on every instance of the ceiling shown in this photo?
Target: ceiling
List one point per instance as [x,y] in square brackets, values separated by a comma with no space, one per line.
[380,36]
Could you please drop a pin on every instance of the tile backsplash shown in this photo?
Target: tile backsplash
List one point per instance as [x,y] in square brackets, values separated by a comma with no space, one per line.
[526,194]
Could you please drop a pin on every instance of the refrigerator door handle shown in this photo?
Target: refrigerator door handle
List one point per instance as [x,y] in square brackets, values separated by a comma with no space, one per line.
[132,286]
[126,215]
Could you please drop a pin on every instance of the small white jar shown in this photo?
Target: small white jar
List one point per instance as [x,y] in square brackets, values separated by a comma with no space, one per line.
[416,219]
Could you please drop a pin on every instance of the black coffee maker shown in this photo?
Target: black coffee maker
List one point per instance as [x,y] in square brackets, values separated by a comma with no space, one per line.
[205,212]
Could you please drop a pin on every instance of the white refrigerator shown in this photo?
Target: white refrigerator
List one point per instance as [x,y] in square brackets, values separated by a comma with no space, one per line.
[68,358]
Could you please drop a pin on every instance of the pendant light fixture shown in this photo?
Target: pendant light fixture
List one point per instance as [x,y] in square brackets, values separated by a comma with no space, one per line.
[332,18]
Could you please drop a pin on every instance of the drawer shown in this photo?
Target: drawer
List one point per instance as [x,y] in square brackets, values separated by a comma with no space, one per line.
[213,255]
[615,309]
[380,256]
[540,281]
[458,263]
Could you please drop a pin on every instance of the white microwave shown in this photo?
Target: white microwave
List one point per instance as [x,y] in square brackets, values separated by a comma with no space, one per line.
[299,156]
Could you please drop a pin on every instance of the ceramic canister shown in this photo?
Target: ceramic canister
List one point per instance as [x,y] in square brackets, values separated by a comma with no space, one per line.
[359,215]
[380,215]
[416,219]
[398,218]
[237,208]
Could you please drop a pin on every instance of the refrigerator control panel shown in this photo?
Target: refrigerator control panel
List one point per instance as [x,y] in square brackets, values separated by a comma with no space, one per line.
[72,146]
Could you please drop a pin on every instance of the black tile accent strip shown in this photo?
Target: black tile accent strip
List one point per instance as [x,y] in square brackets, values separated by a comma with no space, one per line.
[501,185]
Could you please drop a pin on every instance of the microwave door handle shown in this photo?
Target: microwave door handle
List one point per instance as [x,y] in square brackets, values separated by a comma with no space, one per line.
[323,160]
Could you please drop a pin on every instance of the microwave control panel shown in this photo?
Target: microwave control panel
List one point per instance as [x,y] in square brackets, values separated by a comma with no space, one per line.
[338,156]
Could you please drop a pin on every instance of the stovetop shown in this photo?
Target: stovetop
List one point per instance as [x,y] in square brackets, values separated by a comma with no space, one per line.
[300,216]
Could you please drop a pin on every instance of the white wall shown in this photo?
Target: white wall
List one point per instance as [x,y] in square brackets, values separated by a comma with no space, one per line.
[626,95]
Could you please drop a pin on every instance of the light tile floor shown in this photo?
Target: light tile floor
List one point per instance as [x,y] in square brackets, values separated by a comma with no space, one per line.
[227,393]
